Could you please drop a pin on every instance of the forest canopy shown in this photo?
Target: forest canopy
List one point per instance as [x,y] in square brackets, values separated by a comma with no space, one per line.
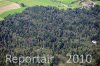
[62,31]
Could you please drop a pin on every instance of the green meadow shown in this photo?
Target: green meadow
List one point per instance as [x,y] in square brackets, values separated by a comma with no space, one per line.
[29,3]
[4,3]
[11,12]
[61,4]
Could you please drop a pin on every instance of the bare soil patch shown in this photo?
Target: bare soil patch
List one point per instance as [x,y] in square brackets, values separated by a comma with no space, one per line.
[9,7]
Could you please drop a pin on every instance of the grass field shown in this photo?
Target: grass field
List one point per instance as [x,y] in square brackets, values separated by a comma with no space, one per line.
[3,15]
[5,10]
[61,4]
[4,3]
[29,3]
[66,1]
[98,2]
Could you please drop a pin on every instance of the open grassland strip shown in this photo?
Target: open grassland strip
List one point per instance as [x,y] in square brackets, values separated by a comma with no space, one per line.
[61,4]
[4,3]
[29,3]
[11,12]
[1,19]
[9,7]
[98,3]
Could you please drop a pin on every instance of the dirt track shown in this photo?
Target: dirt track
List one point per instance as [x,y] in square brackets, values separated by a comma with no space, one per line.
[9,7]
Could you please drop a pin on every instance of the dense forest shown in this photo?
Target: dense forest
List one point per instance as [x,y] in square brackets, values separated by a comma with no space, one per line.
[51,31]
